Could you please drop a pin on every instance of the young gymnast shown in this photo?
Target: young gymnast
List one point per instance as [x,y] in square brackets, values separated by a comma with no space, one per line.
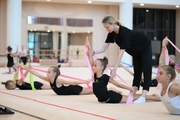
[19,83]
[101,81]
[10,60]
[170,92]
[61,86]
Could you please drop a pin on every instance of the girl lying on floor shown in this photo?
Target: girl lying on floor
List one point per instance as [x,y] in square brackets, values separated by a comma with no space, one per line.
[22,85]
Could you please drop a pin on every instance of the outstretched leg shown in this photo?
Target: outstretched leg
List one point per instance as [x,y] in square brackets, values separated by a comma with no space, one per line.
[86,91]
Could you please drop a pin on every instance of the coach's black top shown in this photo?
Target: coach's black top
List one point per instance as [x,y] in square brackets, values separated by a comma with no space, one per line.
[132,41]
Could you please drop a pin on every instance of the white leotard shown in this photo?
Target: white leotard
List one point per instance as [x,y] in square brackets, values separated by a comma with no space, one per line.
[171,103]
[178,78]
[23,53]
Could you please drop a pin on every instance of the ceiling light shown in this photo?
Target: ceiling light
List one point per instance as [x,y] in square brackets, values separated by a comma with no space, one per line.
[73,32]
[142,4]
[48,0]
[89,1]
[177,6]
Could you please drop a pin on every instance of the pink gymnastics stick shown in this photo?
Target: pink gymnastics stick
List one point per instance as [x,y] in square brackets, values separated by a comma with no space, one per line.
[87,59]
[174,46]
[21,73]
[171,60]
[64,76]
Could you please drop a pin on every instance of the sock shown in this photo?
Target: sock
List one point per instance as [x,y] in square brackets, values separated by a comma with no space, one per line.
[140,100]
[14,69]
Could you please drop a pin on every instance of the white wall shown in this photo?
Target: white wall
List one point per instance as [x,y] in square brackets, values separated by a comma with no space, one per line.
[95,12]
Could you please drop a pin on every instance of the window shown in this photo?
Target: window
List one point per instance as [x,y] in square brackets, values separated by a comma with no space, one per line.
[156,24]
[39,42]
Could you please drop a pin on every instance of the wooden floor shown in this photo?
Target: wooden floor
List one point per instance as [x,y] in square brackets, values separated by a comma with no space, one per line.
[45,104]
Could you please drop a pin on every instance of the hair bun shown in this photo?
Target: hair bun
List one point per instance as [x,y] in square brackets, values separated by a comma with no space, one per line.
[59,65]
[3,83]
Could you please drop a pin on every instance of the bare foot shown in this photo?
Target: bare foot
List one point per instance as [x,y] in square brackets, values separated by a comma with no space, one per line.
[156,97]
[135,90]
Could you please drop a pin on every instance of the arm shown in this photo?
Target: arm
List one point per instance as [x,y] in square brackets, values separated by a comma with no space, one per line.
[162,58]
[16,51]
[37,74]
[104,48]
[89,50]
[127,69]
[70,82]
[3,54]
[20,81]
[121,52]
[175,89]
[113,72]
[178,76]
[16,73]
[120,85]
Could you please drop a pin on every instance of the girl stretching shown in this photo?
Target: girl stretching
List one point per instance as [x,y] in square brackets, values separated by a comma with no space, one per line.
[170,92]
[19,83]
[61,86]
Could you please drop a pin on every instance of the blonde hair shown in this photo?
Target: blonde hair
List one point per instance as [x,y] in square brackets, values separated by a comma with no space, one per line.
[110,20]
[169,70]
[103,62]
[56,70]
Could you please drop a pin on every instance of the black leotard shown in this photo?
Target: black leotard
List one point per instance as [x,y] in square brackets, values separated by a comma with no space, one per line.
[66,90]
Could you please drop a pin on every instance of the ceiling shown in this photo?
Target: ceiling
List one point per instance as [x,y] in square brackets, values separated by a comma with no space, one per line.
[95,2]
[104,2]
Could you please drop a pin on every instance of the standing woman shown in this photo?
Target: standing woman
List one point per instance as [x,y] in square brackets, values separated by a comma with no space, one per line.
[135,43]
[23,55]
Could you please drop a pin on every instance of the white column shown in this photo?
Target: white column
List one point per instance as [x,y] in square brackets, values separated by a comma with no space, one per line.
[64,47]
[126,18]
[55,42]
[14,12]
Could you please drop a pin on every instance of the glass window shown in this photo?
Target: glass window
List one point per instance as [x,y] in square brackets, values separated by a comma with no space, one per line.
[159,35]
[150,18]
[141,18]
[166,19]
[39,40]
[150,35]
[135,18]
[159,19]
